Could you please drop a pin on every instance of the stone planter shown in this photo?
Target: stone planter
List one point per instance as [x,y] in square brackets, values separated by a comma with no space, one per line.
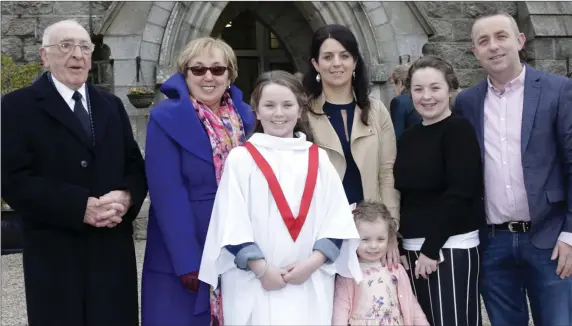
[12,232]
[141,101]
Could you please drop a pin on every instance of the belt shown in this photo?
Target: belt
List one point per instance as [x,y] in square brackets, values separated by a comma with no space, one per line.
[517,227]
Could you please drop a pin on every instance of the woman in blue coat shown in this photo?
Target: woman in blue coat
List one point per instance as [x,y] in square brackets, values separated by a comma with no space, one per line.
[189,136]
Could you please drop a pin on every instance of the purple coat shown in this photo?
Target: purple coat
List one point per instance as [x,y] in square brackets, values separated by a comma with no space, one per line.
[182,187]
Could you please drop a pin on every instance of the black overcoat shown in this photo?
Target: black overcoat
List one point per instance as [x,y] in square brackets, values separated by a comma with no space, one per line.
[75,274]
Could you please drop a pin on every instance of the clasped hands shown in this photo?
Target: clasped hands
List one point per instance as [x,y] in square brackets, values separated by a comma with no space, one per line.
[107,210]
[275,278]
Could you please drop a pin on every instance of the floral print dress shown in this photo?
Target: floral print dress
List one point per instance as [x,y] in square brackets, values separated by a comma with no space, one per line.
[378,302]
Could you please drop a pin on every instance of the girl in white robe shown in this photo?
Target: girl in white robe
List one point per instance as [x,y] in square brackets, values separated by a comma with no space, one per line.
[277,269]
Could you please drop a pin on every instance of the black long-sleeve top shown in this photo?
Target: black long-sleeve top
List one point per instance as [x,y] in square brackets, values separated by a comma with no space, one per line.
[438,171]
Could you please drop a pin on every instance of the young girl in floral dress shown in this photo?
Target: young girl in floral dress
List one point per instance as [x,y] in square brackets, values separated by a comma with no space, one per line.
[382,297]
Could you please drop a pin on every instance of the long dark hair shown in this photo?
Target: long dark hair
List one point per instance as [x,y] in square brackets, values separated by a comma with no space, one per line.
[286,79]
[360,83]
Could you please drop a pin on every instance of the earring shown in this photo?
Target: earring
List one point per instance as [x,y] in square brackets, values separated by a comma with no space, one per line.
[354,74]
[318,78]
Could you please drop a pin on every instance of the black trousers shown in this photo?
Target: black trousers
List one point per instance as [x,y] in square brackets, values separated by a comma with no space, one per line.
[450,296]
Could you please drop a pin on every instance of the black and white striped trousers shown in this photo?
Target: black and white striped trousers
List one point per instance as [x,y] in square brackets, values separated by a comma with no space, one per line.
[450,296]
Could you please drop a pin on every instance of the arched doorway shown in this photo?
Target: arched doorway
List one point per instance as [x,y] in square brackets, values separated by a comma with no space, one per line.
[256,46]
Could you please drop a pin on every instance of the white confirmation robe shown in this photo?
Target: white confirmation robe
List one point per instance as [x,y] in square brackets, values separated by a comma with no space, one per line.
[245,211]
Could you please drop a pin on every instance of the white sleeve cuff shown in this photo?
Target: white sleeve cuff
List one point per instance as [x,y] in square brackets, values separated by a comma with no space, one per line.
[566,237]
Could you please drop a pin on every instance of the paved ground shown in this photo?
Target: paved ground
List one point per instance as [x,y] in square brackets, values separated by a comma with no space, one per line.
[14,301]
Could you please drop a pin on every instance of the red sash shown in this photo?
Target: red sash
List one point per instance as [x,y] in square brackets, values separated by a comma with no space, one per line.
[294,225]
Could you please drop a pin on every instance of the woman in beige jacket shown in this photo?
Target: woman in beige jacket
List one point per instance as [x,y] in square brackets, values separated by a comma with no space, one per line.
[355,130]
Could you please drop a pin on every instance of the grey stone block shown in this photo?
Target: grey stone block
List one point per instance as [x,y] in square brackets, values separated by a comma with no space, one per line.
[551,25]
[132,18]
[410,44]
[443,29]
[470,77]
[32,50]
[370,5]
[442,9]
[389,51]
[19,27]
[45,21]
[459,55]
[476,9]
[377,16]
[150,51]
[557,67]
[384,33]
[461,30]
[168,5]
[13,47]
[125,73]
[80,8]
[123,47]
[163,73]
[548,7]
[379,73]
[540,48]
[153,33]
[159,16]
[27,8]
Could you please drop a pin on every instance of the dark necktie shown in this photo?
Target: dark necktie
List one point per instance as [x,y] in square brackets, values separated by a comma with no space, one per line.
[81,113]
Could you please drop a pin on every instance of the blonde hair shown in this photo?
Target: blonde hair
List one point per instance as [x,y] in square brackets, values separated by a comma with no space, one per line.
[399,74]
[373,211]
[198,46]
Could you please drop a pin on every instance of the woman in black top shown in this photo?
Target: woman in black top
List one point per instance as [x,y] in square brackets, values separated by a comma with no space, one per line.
[438,171]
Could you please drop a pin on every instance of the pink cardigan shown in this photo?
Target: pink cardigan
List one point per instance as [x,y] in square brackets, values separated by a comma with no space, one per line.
[347,291]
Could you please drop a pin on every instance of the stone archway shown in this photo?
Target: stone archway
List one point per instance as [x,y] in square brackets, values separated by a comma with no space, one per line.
[290,20]
[157,31]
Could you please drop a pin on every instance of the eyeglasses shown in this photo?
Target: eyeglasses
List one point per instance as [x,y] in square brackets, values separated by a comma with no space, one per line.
[201,71]
[68,46]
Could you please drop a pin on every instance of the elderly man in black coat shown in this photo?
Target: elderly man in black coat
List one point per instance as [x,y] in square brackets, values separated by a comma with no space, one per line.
[72,169]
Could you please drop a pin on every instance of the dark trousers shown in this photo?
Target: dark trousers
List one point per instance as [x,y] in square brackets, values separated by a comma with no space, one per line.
[450,296]
[513,268]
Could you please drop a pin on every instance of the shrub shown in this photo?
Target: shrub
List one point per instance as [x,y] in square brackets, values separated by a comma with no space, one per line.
[15,76]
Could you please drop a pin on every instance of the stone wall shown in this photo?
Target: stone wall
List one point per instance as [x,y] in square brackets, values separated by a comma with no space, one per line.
[547,26]
[23,23]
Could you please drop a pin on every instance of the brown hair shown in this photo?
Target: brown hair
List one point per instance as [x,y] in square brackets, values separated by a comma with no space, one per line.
[435,63]
[399,74]
[373,211]
[286,79]
[513,23]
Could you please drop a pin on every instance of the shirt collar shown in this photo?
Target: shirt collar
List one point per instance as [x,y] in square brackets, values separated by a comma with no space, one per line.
[511,85]
[67,92]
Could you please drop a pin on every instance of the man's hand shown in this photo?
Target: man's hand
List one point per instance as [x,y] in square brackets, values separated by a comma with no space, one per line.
[111,199]
[101,214]
[425,266]
[391,258]
[191,281]
[563,252]
[118,196]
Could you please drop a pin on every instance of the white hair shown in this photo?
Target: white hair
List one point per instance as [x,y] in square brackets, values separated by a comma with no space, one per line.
[50,30]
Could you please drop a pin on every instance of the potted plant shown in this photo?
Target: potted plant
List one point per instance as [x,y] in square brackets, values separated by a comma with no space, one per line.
[140,98]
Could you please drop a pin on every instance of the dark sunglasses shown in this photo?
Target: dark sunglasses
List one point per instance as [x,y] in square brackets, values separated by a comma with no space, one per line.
[201,71]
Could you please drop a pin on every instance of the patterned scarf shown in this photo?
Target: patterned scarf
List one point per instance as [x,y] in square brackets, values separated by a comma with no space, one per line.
[225,130]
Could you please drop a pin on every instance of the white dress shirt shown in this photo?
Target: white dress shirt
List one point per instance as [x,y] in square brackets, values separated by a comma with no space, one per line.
[67,93]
